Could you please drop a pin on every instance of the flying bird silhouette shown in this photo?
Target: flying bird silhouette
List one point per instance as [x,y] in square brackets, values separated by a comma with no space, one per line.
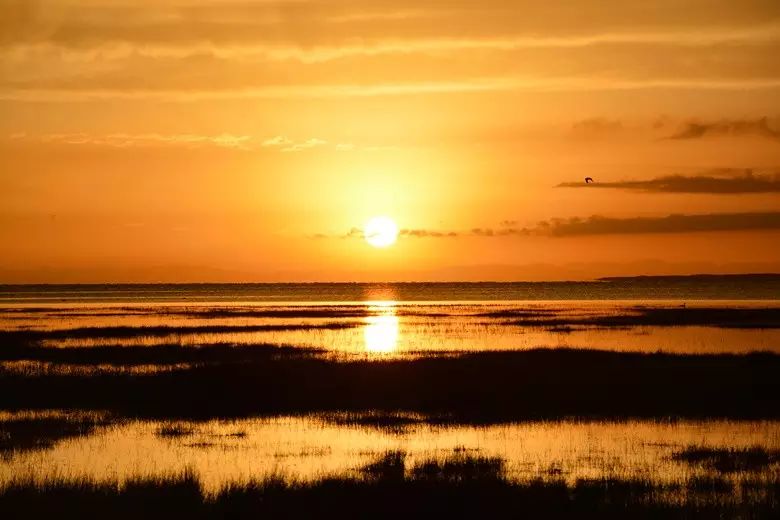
[588,180]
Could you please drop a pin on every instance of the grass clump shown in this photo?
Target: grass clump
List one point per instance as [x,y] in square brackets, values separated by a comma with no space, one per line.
[729,460]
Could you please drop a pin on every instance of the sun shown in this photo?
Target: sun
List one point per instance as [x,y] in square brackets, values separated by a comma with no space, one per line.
[380,231]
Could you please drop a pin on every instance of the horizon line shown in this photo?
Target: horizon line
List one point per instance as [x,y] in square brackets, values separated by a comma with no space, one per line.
[474,282]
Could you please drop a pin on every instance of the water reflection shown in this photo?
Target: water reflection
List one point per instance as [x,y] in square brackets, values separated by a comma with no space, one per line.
[308,448]
[380,323]
[381,331]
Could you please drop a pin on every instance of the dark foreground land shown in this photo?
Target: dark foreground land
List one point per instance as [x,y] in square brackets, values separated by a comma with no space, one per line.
[224,381]
[94,387]
[459,487]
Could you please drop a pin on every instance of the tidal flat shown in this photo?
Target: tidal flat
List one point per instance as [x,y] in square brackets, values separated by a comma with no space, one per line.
[607,408]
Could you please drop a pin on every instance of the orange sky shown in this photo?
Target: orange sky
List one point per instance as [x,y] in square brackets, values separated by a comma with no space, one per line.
[222,140]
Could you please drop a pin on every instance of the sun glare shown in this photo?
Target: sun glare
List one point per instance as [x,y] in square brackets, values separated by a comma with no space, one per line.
[380,231]
[381,330]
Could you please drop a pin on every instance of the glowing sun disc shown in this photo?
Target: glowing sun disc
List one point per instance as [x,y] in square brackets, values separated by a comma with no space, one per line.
[380,231]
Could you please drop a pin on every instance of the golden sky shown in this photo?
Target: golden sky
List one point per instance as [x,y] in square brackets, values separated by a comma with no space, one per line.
[238,140]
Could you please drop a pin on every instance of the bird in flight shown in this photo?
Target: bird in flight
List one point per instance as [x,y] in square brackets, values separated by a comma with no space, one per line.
[588,180]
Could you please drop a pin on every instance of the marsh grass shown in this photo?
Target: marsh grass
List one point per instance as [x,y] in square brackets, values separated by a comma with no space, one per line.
[721,317]
[460,468]
[471,388]
[174,430]
[37,433]
[456,487]
[729,460]
[390,466]
[167,354]
[345,311]
[389,421]
[27,335]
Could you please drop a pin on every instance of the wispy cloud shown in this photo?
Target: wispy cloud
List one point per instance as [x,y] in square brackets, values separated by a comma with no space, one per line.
[428,233]
[323,53]
[596,127]
[476,85]
[727,127]
[305,145]
[285,144]
[225,140]
[267,39]
[184,50]
[356,232]
[278,140]
[728,182]
[123,140]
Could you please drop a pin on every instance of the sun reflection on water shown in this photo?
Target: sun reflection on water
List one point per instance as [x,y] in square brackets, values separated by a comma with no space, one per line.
[381,330]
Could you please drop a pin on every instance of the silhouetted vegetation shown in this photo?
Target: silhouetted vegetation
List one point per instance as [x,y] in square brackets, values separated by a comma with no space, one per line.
[157,355]
[35,433]
[389,421]
[458,487]
[175,430]
[460,468]
[222,312]
[478,387]
[293,311]
[722,317]
[27,336]
[729,460]
[534,313]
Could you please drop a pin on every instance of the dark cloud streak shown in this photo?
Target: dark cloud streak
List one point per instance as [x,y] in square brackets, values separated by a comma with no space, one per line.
[732,184]
[599,225]
[726,127]
[428,233]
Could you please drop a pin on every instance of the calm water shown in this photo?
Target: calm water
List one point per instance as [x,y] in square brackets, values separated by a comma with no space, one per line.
[392,327]
[683,288]
[309,448]
[382,321]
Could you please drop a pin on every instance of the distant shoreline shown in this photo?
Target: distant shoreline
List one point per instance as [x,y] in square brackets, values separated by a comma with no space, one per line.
[774,277]
[693,277]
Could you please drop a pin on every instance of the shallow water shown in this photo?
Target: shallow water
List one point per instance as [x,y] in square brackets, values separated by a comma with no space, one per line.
[382,322]
[392,328]
[308,448]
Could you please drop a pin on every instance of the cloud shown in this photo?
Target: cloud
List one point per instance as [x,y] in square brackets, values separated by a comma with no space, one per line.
[317,30]
[354,232]
[442,233]
[428,233]
[183,50]
[225,140]
[285,144]
[122,140]
[596,127]
[339,90]
[304,145]
[288,145]
[745,182]
[278,140]
[599,225]
[727,127]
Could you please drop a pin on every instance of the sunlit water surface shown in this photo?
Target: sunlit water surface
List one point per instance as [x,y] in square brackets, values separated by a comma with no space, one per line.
[383,328]
[312,447]
[381,323]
